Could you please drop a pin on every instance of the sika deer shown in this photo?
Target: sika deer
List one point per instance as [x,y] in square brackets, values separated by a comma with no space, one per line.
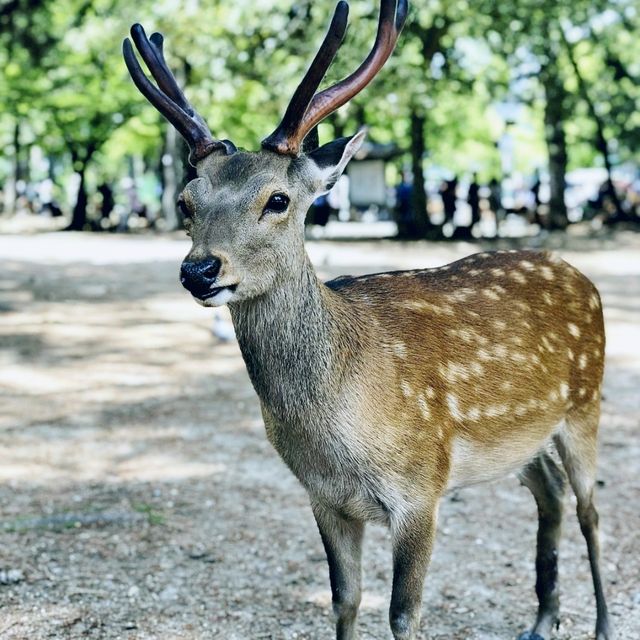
[383,392]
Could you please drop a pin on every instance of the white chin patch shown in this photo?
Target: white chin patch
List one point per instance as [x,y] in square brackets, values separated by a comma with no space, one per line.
[218,300]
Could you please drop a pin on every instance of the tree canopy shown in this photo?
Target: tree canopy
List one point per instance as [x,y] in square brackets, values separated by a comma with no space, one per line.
[572,71]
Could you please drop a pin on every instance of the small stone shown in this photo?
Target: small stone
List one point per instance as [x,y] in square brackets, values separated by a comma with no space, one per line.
[11,576]
[169,594]
[134,591]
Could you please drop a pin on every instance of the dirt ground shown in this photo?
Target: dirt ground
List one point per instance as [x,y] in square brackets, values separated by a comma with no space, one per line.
[139,497]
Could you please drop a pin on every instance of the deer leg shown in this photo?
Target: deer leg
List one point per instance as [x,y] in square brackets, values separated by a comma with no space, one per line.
[576,445]
[342,539]
[412,545]
[546,482]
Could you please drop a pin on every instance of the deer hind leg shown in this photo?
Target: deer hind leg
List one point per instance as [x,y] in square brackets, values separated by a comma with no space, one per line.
[342,539]
[412,545]
[546,482]
[576,444]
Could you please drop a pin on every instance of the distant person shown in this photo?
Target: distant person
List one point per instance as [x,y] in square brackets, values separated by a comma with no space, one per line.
[321,211]
[473,198]
[448,193]
[495,198]
[108,201]
[535,190]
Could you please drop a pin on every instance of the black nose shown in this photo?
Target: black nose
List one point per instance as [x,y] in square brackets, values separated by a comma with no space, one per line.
[199,277]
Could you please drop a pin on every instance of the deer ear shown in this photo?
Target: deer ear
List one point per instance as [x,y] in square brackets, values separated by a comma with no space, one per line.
[332,158]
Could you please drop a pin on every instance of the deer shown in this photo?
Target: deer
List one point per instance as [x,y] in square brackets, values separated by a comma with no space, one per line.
[383,393]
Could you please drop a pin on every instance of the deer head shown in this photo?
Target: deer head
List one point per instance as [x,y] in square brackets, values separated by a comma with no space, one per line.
[245,211]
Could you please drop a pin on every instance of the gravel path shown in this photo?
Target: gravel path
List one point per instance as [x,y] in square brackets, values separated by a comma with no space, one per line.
[139,498]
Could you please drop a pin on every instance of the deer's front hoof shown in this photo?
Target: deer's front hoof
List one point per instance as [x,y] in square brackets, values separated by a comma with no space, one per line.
[530,635]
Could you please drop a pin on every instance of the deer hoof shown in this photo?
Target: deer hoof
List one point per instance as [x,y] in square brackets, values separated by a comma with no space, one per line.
[530,635]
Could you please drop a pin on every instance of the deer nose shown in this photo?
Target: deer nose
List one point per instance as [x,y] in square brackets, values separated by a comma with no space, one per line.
[199,277]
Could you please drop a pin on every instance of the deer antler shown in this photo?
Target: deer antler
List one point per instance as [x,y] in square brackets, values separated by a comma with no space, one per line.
[307,108]
[167,97]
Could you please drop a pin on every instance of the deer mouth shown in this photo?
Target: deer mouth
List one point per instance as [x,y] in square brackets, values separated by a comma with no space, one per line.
[217,290]
[214,292]
[216,297]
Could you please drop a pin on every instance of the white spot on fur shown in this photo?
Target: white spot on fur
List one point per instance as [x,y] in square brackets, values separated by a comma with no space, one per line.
[547,273]
[528,266]
[518,277]
[521,410]
[582,360]
[406,389]
[573,330]
[570,354]
[546,296]
[500,351]
[453,372]
[564,390]
[422,305]
[474,414]
[423,406]
[477,368]
[494,410]
[430,392]
[547,345]
[497,272]
[454,409]
[400,349]
[491,294]
[474,272]
[461,294]
[500,325]
[582,392]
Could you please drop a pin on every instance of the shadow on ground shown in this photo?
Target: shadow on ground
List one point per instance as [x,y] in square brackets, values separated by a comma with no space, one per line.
[140,499]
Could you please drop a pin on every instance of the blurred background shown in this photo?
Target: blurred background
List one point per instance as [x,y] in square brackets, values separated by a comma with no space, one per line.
[490,118]
[139,497]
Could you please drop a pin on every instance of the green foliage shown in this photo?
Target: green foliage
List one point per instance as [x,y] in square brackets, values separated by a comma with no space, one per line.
[62,79]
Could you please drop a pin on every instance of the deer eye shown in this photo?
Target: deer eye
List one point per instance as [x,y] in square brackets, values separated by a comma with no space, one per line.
[278,203]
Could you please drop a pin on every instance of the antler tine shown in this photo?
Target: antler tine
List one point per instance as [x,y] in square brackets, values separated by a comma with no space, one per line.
[169,98]
[311,81]
[287,138]
[151,50]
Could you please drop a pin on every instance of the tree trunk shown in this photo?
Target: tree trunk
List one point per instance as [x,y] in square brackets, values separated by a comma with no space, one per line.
[170,180]
[419,196]
[10,186]
[601,142]
[554,115]
[420,226]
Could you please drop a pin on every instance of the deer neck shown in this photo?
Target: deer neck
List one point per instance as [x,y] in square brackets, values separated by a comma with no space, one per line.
[288,340]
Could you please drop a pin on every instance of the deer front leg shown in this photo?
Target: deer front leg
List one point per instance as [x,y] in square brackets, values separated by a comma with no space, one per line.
[412,545]
[342,539]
